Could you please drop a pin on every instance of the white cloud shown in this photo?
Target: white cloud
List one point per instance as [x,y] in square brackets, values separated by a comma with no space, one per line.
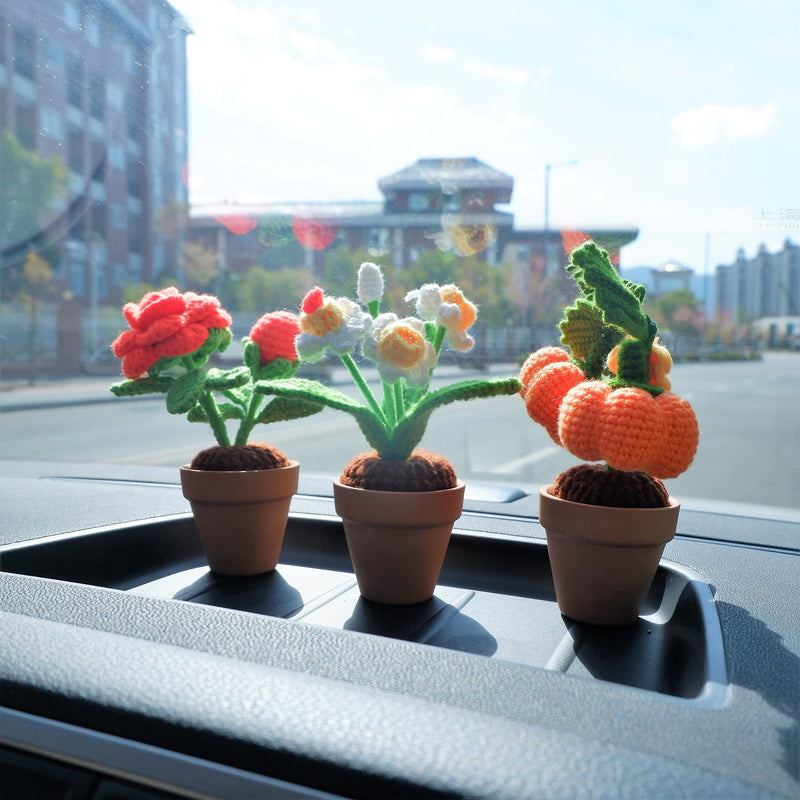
[433,53]
[698,127]
[508,74]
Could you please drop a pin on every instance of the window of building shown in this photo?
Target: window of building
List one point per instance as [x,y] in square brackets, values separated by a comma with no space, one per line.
[97,97]
[99,218]
[51,122]
[24,54]
[115,97]
[134,173]
[417,201]
[72,14]
[116,156]
[26,127]
[52,54]
[75,150]
[92,28]
[135,233]
[74,82]
[117,216]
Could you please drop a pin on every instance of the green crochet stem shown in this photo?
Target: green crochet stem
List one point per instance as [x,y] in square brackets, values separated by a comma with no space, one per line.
[215,420]
[609,312]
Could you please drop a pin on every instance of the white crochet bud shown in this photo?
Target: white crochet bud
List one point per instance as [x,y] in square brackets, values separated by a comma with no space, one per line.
[370,283]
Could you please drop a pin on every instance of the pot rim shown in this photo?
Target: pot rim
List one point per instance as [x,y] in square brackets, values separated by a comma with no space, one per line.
[635,527]
[186,468]
[435,507]
[545,491]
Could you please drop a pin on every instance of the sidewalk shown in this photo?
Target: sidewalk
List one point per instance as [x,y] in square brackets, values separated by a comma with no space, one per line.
[17,395]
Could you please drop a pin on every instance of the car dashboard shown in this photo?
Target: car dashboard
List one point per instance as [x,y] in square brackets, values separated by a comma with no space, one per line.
[129,670]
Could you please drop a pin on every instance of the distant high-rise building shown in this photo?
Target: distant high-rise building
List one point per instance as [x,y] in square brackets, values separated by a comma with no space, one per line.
[102,85]
[767,285]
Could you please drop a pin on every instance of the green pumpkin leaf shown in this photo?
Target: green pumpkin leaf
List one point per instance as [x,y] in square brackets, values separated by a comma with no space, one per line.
[581,325]
[602,285]
[185,391]
[589,339]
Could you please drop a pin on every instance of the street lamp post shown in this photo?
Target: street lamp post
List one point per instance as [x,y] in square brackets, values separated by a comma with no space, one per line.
[547,168]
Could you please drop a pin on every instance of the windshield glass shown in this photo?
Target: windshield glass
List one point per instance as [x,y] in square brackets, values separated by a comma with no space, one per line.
[254,150]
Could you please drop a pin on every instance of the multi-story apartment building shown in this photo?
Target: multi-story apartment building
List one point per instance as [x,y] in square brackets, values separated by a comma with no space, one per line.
[102,85]
[767,285]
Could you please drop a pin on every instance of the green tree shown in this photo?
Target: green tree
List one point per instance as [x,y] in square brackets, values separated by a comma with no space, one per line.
[29,186]
[679,312]
[36,285]
[260,290]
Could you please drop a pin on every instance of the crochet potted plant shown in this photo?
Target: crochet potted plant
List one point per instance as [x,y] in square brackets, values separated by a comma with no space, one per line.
[398,502]
[239,490]
[606,398]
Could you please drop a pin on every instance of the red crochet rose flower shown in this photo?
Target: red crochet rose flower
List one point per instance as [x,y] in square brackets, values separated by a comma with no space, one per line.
[166,323]
[274,334]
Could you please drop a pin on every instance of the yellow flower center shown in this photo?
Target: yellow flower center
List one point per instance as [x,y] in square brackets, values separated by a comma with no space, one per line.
[401,346]
[326,319]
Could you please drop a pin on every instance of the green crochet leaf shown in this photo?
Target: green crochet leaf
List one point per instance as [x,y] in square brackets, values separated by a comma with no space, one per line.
[602,285]
[280,409]
[638,290]
[197,414]
[164,365]
[409,431]
[251,354]
[316,392]
[589,339]
[226,411]
[142,386]
[277,369]
[217,341]
[218,380]
[184,392]
[581,325]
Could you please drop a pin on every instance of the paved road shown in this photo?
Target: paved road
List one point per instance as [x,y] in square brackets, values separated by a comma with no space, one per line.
[748,412]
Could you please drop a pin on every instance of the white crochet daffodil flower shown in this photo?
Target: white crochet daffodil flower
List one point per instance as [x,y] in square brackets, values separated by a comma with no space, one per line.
[400,349]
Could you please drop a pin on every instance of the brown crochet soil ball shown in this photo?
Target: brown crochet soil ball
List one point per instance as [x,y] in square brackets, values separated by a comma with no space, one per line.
[235,457]
[422,472]
[598,485]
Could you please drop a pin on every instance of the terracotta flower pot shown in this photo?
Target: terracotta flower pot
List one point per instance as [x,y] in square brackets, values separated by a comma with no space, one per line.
[241,516]
[397,540]
[603,559]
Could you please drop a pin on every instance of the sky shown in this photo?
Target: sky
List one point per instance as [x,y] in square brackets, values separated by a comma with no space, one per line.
[680,118]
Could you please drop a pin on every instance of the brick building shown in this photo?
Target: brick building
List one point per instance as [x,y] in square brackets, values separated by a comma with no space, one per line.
[445,203]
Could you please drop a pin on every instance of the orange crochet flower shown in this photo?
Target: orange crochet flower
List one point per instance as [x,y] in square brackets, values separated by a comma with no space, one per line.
[275,334]
[166,323]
